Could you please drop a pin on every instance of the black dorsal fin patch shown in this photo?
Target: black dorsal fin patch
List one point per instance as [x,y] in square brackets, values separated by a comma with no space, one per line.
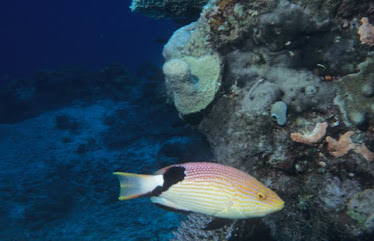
[172,176]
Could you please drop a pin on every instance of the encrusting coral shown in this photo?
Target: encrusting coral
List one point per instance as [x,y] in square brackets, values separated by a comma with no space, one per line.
[356,95]
[339,148]
[313,137]
[364,151]
[366,32]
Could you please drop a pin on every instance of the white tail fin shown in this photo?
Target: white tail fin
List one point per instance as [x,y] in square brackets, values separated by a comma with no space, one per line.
[136,185]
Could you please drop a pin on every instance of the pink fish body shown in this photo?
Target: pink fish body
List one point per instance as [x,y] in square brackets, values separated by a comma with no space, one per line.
[201,187]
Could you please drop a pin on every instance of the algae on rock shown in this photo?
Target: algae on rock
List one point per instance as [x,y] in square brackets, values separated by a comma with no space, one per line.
[356,95]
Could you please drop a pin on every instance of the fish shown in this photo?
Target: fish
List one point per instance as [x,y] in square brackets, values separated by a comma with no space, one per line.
[220,191]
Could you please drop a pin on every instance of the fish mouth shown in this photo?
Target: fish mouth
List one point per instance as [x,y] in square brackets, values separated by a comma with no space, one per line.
[280,206]
[277,207]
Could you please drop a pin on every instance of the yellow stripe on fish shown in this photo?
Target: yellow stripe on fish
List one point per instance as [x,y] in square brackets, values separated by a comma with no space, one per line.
[202,187]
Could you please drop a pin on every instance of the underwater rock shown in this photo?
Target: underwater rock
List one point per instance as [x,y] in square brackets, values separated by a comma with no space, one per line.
[190,40]
[64,122]
[191,229]
[294,53]
[174,48]
[193,82]
[168,8]
[313,137]
[335,193]
[279,113]
[355,96]
[360,208]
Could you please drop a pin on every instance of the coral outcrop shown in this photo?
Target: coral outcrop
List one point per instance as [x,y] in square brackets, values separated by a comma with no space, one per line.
[193,82]
[356,95]
[168,8]
[360,208]
[305,68]
[192,229]
[313,137]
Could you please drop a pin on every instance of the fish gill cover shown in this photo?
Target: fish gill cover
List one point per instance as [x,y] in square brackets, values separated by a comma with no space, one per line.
[64,132]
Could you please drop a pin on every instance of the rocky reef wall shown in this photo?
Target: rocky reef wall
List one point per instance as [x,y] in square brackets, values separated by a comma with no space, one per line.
[293,105]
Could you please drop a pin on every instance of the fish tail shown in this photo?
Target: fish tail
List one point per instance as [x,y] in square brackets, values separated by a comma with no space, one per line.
[137,185]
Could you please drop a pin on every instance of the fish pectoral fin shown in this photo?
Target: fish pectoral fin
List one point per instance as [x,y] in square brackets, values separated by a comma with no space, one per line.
[218,223]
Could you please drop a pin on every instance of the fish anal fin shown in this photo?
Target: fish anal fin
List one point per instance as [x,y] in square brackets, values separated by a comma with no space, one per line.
[167,205]
[172,209]
[218,223]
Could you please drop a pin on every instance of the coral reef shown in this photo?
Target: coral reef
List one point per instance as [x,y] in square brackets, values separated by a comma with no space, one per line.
[356,95]
[313,137]
[364,151]
[191,229]
[366,32]
[344,145]
[193,82]
[305,68]
[360,208]
[341,147]
[168,8]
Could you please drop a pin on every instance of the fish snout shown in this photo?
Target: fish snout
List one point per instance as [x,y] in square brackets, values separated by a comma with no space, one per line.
[277,205]
[280,205]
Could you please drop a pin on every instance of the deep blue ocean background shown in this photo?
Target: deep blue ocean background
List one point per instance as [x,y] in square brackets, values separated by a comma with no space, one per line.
[50,34]
[82,96]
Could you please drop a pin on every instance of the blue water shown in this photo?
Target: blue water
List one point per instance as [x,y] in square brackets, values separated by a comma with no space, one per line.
[49,34]
[68,119]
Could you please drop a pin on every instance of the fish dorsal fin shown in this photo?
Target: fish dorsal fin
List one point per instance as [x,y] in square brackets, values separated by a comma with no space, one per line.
[171,176]
[218,223]
[174,175]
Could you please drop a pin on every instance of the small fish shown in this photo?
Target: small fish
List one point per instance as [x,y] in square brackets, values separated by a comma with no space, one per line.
[202,187]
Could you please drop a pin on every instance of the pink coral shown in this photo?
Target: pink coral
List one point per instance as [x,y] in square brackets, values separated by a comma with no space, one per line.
[366,32]
[341,147]
[310,138]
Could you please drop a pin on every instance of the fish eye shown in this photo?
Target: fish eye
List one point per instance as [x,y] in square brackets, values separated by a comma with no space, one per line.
[261,196]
